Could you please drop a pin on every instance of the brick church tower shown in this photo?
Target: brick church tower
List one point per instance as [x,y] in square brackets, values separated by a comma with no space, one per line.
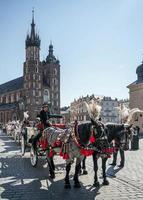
[51,81]
[39,84]
[32,72]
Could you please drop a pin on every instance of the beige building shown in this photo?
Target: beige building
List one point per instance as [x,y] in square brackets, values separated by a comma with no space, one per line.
[109,113]
[136,95]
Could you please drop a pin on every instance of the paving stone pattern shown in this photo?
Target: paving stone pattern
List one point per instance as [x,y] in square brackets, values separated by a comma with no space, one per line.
[20,181]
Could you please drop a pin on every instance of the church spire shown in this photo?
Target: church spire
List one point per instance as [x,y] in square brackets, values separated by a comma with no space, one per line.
[33,26]
[32,39]
[51,49]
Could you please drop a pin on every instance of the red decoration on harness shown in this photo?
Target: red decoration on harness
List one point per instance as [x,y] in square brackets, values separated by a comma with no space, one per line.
[57,143]
[109,150]
[86,152]
[92,139]
[51,153]
[62,126]
[61,153]
[65,156]
[43,144]
[64,152]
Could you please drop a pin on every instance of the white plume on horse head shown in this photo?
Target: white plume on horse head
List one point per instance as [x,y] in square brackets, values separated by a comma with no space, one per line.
[26,116]
[133,115]
[123,113]
[93,109]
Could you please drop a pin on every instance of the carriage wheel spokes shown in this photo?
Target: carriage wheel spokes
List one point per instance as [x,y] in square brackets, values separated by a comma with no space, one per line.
[33,157]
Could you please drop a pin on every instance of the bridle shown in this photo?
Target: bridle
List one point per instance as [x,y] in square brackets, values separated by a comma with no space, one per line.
[124,143]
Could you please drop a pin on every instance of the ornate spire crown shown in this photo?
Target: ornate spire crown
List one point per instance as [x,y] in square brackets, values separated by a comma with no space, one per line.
[33,38]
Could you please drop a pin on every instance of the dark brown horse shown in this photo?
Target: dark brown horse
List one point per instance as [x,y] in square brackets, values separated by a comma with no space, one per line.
[119,132]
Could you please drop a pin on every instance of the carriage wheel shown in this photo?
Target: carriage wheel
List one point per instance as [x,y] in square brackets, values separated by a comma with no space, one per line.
[33,157]
[23,145]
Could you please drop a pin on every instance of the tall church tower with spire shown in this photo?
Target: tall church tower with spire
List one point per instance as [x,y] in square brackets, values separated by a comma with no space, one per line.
[39,84]
[41,79]
[33,72]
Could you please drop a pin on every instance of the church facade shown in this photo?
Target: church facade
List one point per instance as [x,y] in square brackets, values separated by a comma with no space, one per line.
[39,84]
[136,95]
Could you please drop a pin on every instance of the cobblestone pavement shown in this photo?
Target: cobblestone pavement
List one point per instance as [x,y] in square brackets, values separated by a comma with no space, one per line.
[20,181]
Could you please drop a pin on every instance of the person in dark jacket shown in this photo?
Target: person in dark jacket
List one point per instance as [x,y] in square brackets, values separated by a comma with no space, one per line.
[42,123]
[45,116]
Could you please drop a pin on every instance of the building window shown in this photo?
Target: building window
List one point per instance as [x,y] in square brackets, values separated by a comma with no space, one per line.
[12,98]
[55,72]
[28,100]
[26,70]
[39,93]
[46,96]
[36,69]
[17,97]
[33,92]
[39,85]
[7,99]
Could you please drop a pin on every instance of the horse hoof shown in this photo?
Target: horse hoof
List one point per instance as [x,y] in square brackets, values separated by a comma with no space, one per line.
[85,172]
[105,182]
[67,186]
[77,185]
[96,184]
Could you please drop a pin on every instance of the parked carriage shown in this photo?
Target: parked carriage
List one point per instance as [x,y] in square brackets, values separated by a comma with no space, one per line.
[42,148]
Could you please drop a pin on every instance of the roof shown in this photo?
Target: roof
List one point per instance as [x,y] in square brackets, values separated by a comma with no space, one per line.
[12,85]
[134,83]
[8,106]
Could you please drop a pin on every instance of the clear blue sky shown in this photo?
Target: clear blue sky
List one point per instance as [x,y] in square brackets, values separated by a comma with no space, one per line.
[99,42]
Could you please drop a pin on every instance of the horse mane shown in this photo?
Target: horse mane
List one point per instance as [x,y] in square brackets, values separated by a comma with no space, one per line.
[114,127]
[114,130]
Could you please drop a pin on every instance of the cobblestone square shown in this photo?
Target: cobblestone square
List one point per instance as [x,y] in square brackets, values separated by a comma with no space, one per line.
[20,181]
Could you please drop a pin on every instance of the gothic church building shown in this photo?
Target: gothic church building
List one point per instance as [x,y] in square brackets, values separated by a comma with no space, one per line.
[39,84]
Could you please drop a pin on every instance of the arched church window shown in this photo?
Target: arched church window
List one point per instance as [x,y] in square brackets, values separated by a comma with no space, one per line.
[55,71]
[36,69]
[46,97]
